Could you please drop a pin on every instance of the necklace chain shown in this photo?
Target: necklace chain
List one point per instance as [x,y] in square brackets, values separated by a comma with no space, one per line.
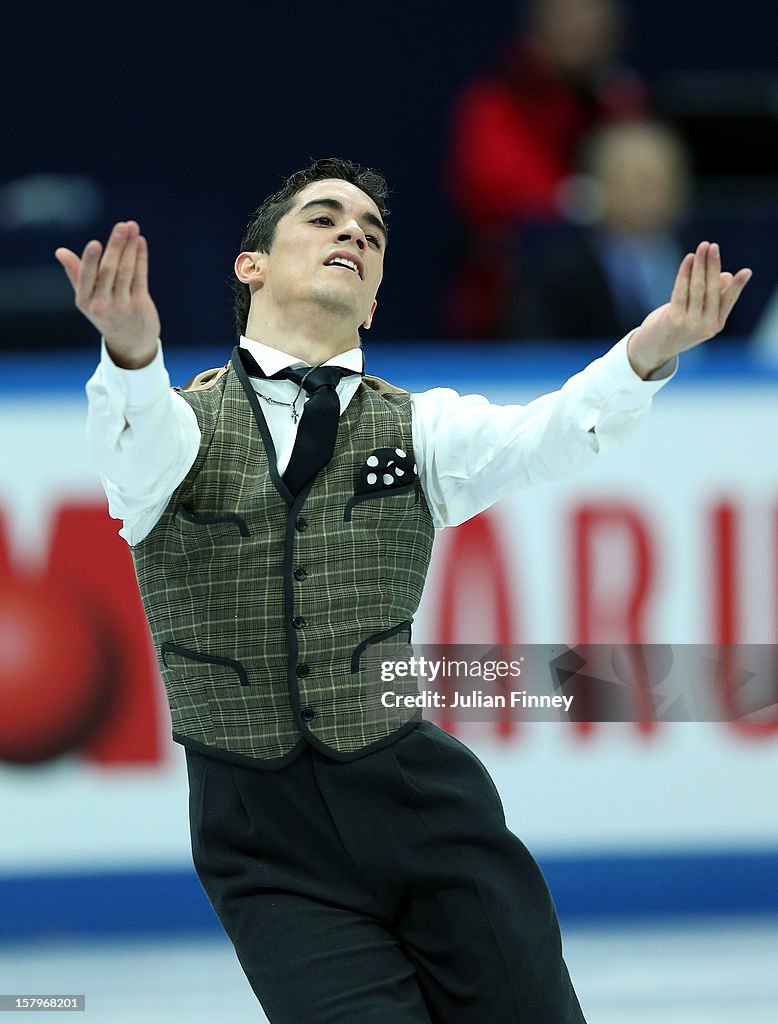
[293,404]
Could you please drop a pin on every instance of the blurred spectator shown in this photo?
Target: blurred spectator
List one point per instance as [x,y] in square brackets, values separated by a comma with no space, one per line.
[515,133]
[765,338]
[601,281]
[38,212]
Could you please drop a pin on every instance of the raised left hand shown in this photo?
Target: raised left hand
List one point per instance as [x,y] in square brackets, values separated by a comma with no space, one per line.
[703,297]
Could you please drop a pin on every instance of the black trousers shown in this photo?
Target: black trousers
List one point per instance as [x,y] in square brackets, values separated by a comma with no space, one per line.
[385,890]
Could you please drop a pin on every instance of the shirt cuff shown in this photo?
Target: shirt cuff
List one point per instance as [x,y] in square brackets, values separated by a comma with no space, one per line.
[141,387]
[665,371]
[615,398]
[618,374]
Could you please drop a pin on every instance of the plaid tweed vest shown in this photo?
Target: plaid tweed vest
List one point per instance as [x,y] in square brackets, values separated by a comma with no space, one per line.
[265,607]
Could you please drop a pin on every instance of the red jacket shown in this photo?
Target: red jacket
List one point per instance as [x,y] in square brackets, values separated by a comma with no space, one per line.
[514,137]
[515,133]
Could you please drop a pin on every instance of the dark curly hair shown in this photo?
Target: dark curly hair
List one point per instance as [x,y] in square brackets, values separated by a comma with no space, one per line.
[261,228]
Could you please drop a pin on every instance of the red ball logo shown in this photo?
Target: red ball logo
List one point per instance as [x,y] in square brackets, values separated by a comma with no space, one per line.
[54,671]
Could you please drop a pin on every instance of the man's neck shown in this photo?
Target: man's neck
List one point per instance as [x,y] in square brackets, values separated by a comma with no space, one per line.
[313,344]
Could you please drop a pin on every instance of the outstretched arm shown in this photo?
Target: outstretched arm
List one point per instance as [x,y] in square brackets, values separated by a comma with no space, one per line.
[112,292]
[702,299]
[470,452]
[144,437]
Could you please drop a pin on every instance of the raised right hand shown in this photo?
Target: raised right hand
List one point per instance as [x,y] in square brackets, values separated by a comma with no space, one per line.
[113,293]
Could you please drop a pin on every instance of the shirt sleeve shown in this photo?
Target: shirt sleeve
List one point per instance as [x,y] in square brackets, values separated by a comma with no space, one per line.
[470,452]
[143,437]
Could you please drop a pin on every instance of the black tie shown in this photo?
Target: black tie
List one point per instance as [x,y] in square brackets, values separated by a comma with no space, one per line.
[318,427]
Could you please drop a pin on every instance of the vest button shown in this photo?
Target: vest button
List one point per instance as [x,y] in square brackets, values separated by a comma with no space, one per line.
[302,670]
[307,714]
[298,622]
[300,573]
[301,524]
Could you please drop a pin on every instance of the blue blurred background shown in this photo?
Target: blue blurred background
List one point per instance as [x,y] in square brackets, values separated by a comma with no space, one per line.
[185,118]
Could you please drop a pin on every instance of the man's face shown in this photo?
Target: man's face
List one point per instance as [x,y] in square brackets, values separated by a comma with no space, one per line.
[579,35]
[329,218]
[643,183]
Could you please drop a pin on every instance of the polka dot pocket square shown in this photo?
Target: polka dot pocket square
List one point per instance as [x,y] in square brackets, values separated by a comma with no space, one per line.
[386,468]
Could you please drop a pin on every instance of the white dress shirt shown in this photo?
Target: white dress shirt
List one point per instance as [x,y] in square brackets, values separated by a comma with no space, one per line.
[469,452]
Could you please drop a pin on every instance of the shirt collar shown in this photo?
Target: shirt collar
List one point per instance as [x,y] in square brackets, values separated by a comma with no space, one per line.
[272,360]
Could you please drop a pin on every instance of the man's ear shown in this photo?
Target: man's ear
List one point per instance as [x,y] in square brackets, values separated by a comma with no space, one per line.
[370,315]
[250,268]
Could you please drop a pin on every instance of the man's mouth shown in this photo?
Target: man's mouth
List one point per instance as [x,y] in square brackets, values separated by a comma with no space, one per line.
[345,264]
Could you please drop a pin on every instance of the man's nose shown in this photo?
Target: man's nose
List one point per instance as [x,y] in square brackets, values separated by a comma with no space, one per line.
[353,231]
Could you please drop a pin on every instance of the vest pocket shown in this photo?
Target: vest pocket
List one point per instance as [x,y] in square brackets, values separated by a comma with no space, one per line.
[377,638]
[370,661]
[210,666]
[388,505]
[224,526]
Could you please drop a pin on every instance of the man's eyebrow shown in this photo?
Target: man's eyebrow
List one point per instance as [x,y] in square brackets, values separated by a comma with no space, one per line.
[335,204]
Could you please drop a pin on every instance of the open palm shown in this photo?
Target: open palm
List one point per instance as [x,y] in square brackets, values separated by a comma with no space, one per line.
[702,299]
[113,293]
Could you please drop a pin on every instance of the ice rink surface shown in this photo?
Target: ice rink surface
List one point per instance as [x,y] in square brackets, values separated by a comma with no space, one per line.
[712,971]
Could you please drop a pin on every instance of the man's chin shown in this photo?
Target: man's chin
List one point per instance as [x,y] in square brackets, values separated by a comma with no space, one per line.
[337,302]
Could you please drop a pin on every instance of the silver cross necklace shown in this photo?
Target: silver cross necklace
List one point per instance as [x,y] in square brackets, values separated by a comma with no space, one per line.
[293,404]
